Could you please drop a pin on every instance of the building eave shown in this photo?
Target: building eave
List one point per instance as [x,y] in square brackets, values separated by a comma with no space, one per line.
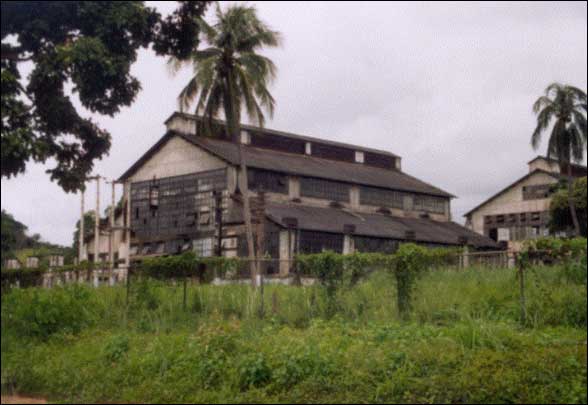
[516,183]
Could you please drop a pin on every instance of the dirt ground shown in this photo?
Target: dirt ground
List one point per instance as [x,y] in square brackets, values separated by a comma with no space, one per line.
[21,400]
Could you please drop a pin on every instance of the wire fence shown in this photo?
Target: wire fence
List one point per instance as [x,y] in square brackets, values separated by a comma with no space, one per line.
[271,271]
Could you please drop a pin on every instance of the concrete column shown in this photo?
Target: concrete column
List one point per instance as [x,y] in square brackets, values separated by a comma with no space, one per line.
[355,197]
[127,225]
[466,257]
[294,188]
[285,252]
[348,245]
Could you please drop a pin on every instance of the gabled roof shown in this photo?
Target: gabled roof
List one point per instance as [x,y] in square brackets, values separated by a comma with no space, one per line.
[516,183]
[551,160]
[300,165]
[290,135]
[310,166]
[333,220]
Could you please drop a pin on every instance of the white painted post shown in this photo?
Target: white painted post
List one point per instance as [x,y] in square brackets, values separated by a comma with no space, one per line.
[111,235]
[127,230]
[97,224]
[82,230]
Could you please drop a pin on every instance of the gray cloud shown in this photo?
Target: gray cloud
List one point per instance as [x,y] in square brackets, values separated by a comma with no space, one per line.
[448,86]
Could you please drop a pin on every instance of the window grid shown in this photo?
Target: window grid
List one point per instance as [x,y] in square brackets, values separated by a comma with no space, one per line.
[324,189]
[429,204]
[381,198]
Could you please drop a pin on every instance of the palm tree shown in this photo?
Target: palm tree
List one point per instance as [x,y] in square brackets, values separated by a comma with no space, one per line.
[567,142]
[230,75]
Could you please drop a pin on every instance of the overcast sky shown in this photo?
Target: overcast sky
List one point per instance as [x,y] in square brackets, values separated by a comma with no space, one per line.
[449,87]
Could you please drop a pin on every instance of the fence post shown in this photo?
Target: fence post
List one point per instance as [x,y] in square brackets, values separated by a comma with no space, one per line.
[185,287]
[523,300]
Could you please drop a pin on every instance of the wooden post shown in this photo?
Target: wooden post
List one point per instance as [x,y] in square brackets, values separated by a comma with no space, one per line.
[82,231]
[523,300]
[184,299]
[260,242]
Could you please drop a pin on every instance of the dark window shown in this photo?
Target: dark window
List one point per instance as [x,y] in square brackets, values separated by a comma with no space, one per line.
[169,207]
[267,181]
[365,244]
[378,160]
[500,219]
[430,204]
[381,198]
[536,216]
[324,189]
[537,192]
[317,242]
[488,219]
[493,234]
[276,142]
[333,152]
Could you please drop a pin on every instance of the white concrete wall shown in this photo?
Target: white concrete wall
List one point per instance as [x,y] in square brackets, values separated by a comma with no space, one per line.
[175,158]
[511,202]
[543,164]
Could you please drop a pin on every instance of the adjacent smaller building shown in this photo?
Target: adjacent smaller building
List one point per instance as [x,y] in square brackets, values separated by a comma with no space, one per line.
[521,211]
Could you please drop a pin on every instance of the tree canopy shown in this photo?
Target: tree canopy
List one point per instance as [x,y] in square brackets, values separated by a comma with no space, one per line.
[561,219]
[82,48]
[566,107]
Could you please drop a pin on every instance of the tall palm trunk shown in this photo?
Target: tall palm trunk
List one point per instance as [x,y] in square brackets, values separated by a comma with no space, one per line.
[571,201]
[234,123]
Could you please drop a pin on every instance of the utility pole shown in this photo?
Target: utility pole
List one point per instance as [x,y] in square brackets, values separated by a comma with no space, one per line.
[82,231]
[111,233]
[97,224]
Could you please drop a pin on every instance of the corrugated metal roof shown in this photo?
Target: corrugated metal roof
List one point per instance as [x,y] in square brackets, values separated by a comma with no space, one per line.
[376,225]
[286,135]
[304,165]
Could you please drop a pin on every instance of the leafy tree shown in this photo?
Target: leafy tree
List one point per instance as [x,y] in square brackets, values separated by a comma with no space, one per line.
[13,234]
[89,222]
[230,75]
[567,142]
[561,219]
[85,48]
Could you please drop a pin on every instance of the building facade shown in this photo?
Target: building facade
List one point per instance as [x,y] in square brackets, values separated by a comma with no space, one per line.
[521,211]
[308,195]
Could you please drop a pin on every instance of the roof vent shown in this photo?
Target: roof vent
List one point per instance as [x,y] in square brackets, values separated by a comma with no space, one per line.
[290,222]
[410,235]
[349,229]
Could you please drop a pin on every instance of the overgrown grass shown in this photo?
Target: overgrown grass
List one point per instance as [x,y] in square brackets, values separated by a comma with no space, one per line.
[463,344]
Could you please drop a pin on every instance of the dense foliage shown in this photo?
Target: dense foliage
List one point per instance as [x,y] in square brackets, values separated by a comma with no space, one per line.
[17,243]
[562,110]
[462,343]
[561,218]
[90,46]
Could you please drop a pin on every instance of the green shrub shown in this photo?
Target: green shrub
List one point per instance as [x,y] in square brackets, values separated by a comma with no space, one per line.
[254,372]
[116,348]
[41,313]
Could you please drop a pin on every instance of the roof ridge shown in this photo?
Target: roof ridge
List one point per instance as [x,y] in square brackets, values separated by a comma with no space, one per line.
[292,135]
